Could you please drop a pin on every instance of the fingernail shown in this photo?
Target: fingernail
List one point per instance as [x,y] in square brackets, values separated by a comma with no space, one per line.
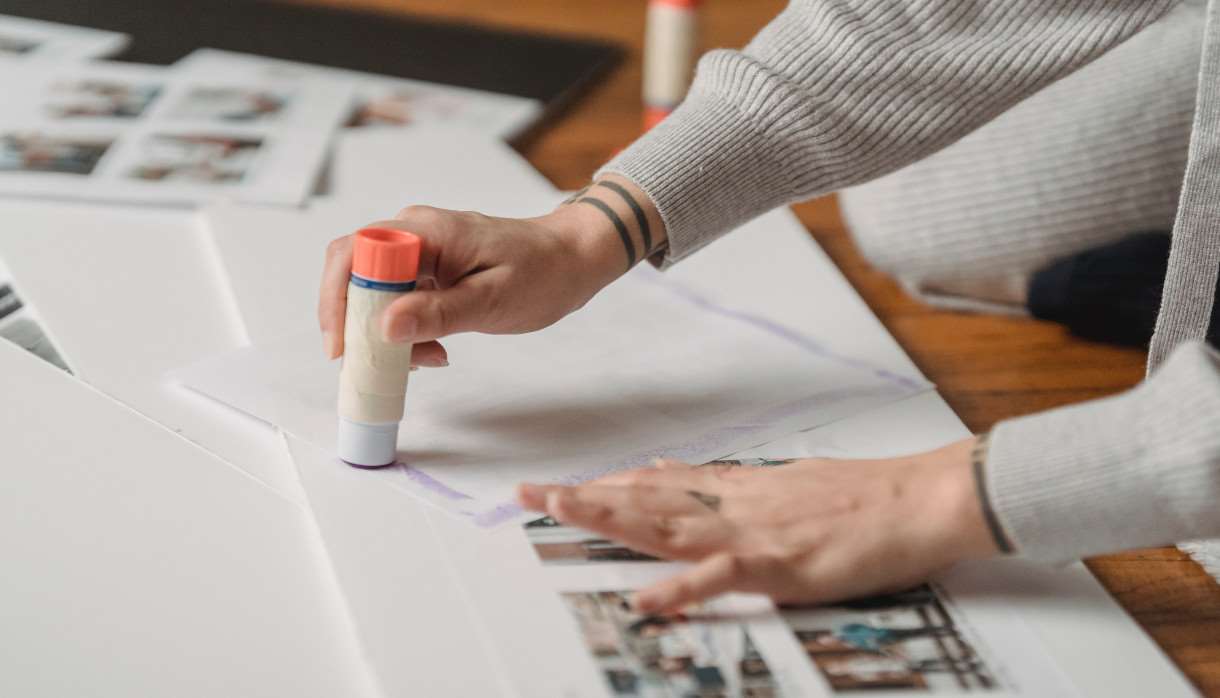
[554,504]
[443,363]
[401,329]
[530,495]
[329,344]
[642,602]
[415,368]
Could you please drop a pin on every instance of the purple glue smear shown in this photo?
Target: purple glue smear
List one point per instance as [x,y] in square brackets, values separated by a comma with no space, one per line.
[781,331]
[431,484]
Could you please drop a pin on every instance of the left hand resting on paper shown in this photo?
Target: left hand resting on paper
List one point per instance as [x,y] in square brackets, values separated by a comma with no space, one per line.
[815,530]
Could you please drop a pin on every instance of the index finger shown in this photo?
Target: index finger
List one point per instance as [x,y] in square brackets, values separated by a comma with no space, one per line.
[332,298]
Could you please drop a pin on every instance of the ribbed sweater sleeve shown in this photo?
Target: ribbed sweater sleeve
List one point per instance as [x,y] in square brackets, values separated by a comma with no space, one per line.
[837,92]
[1141,468]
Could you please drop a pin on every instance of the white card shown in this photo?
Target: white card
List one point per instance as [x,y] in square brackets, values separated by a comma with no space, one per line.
[126,294]
[144,134]
[136,564]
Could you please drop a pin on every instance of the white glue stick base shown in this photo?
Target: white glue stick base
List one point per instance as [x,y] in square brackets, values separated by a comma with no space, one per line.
[367,445]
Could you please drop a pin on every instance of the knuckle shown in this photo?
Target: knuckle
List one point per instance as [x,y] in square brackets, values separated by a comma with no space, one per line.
[638,495]
[442,316]
[665,528]
[735,566]
[632,478]
[335,248]
[428,216]
[682,588]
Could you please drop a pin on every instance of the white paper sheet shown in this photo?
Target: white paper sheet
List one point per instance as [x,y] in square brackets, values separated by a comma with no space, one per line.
[138,565]
[686,379]
[128,294]
[388,102]
[25,40]
[145,134]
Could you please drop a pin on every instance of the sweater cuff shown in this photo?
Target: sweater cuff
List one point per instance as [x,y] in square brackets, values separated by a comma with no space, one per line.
[1135,470]
[708,167]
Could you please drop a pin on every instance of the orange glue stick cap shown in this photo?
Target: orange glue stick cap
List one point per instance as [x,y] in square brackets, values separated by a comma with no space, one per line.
[386,254]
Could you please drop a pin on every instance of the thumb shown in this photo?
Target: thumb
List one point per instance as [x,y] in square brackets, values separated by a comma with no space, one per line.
[422,316]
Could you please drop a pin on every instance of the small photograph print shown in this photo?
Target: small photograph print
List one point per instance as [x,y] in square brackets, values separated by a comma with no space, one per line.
[40,152]
[16,45]
[556,544]
[99,98]
[231,104]
[18,327]
[897,642]
[196,159]
[682,656]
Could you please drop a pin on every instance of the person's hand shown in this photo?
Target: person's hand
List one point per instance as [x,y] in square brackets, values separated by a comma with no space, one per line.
[495,275]
[813,530]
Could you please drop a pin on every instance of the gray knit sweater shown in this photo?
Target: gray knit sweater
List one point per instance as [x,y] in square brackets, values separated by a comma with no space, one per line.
[834,93]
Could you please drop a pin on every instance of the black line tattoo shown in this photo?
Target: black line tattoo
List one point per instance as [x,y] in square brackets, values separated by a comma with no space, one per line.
[640,217]
[619,225]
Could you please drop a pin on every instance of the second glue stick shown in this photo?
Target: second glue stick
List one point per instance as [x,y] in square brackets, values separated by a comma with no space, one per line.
[670,41]
[373,379]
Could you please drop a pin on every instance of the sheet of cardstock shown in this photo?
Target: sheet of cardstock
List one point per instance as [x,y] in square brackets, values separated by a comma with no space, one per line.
[418,630]
[136,564]
[126,294]
[384,102]
[438,166]
[145,134]
[646,369]
[24,40]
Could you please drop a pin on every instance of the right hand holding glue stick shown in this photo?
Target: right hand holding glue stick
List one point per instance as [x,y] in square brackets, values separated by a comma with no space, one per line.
[475,274]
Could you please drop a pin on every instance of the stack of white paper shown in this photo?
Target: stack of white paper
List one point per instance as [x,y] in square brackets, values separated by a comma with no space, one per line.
[136,564]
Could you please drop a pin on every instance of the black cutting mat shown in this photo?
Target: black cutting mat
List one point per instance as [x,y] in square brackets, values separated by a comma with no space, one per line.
[548,68]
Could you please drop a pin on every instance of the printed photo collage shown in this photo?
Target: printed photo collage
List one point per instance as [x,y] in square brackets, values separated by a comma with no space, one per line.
[916,642]
[146,134]
[388,102]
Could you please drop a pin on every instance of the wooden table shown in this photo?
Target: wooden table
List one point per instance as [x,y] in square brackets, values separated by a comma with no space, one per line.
[987,368]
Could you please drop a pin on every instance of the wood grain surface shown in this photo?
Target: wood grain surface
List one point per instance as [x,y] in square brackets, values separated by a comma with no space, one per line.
[987,368]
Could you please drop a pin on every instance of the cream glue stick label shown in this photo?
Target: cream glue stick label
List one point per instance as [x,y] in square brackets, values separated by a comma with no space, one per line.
[373,378]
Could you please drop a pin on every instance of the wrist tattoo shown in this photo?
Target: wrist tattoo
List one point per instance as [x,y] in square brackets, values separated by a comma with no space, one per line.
[978,461]
[640,217]
[619,225]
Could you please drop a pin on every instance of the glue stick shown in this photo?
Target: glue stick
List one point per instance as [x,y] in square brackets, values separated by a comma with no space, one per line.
[373,378]
[670,41]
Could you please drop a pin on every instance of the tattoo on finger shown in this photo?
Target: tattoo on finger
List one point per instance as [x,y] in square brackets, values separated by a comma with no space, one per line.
[710,501]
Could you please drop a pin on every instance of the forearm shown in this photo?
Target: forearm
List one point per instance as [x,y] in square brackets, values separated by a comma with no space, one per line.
[837,92]
[1142,468]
